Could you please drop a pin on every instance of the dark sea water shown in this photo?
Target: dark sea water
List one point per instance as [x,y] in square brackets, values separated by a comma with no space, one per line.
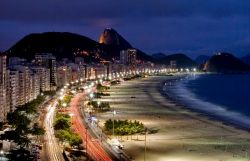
[225,97]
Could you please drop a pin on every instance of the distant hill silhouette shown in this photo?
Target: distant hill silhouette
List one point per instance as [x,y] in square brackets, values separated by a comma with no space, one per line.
[69,45]
[201,59]
[182,61]
[246,59]
[158,55]
[61,44]
[225,62]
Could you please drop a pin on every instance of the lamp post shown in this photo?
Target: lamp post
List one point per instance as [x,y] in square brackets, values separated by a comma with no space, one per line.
[114,112]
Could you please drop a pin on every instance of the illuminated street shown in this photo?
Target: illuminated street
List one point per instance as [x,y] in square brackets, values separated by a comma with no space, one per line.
[54,151]
[93,147]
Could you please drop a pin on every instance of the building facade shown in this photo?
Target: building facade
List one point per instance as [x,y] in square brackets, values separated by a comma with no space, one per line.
[49,61]
[43,76]
[3,87]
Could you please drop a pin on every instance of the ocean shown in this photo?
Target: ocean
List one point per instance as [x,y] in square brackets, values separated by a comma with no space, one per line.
[225,97]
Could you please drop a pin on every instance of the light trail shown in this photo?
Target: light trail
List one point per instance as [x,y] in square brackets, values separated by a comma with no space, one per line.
[53,150]
[94,148]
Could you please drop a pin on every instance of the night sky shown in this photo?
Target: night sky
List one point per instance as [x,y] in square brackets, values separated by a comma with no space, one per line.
[193,27]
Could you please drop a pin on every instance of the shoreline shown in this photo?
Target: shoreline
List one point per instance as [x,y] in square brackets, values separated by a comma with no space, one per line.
[227,120]
[179,133]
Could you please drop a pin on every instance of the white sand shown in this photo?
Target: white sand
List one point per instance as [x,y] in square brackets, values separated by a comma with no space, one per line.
[180,135]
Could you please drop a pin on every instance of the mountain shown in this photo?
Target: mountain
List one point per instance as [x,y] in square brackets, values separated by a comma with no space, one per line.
[182,61]
[61,44]
[113,43]
[158,55]
[225,62]
[201,59]
[246,59]
[69,45]
[113,38]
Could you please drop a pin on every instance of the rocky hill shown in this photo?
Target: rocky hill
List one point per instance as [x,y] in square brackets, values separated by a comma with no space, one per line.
[158,55]
[61,44]
[69,45]
[246,59]
[182,61]
[224,63]
[202,59]
[113,38]
[112,42]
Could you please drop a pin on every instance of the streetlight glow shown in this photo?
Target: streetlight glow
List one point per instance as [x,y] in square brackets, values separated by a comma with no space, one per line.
[64,104]
[91,95]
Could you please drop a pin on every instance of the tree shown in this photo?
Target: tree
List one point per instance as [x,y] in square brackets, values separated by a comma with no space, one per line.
[37,130]
[20,129]
[19,154]
[124,127]
[1,125]
[32,106]
[75,140]
[19,122]
[62,124]
[63,135]
[101,88]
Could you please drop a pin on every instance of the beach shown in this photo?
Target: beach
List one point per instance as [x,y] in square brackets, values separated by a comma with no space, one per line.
[175,133]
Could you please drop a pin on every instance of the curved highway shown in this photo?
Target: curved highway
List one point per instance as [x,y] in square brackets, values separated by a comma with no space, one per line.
[94,148]
[53,150]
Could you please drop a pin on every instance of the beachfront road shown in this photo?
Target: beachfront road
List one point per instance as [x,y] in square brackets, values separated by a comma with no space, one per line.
[53,150]
[93,147]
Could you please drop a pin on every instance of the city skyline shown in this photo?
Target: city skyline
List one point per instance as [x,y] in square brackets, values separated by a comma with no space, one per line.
[190,27]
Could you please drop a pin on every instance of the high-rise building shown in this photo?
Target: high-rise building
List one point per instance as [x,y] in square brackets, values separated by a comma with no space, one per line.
[63,75]
[173,64]
[28,85]
[128,57]
[90,72]
[18,85]
[34,86]
[16,61]
[79,60]
[3,87]
[49,61]
[100,70]
[13,89]
[24,83]
[21,100]
[44,77]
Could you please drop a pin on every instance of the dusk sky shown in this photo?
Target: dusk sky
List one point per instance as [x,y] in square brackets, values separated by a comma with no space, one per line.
[193,27]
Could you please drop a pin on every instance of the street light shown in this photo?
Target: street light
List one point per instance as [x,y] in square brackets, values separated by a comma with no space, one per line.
[64,104]
[91,95]
[114,113]
[1,152]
